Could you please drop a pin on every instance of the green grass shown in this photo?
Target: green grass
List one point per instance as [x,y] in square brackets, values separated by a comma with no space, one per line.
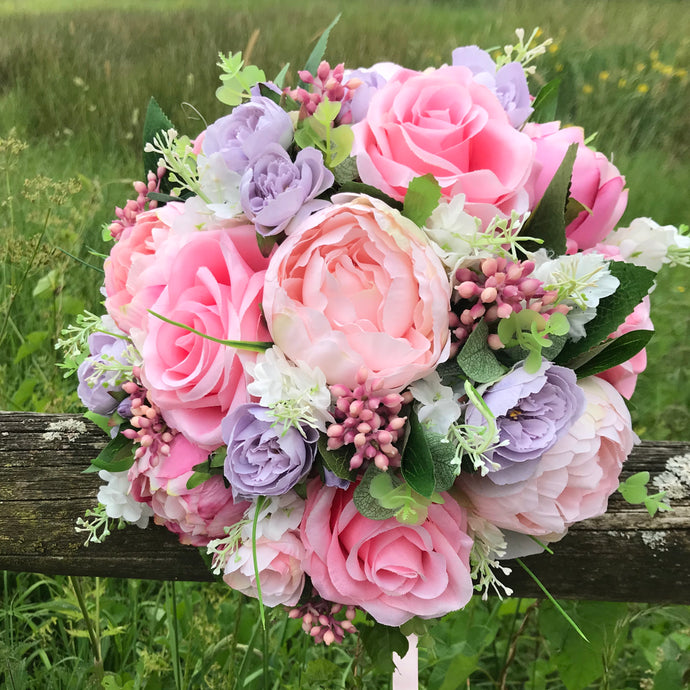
[75,78]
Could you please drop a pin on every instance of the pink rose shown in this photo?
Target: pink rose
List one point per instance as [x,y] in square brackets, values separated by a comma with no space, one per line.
[197,515]
[129,256]
[280,569]
[357,285]
[596,183]
[393,571]
[213,281]
[444,123]
[573,479]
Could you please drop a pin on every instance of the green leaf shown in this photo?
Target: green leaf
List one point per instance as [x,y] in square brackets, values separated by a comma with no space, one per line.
[47,285]
[617,350]
[635,283]
[477,360]
[279,81]
[346,171]
[337,461]
[547,221]
[417,466]
[32,342]
[573,208]
[101,421]
[117,456]
[342,139]
[442,456]
[326,112]
[217,457]
[365,503]
[316,55]
[422,197]
[634,491]
[197,478]
[545,103]
[156,121]
[267,92]
[380,641]
[361,188]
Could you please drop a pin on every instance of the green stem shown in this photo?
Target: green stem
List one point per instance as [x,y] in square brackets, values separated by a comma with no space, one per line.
[172,612]
[93,637]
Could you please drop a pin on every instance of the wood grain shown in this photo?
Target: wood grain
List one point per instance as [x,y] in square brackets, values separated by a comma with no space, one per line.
[625,555]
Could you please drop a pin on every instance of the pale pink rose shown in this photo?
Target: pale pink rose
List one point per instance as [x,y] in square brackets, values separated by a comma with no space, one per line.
[198,142]
[197,515]
[444,123]
[357,285]
[213,282]
[573,480]
[393,571]
[128,258]
[595,183]
[280,569]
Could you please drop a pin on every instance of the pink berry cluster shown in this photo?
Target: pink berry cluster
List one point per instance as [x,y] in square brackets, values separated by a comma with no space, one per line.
[327,84]
[319,620]
[150,431]
[127,216]
[499,289]
[367,418]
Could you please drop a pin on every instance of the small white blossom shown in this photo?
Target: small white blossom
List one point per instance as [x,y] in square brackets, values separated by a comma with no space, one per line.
[278,514]
[488,549]
[646,243]
[581,280]
[220,185]
[438,404]
[119,503]
[294,392]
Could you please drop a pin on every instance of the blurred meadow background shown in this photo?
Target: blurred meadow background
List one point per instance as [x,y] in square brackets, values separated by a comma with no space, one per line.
[75,79]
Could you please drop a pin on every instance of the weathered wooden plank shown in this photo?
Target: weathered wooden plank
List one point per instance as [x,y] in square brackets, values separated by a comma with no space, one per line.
[622,556]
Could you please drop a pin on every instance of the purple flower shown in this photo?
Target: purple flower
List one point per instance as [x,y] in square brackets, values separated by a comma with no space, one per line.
[95,389]
[372,78]
[264,458]
[274,190]
[247,131]
[532,412]
[509,83]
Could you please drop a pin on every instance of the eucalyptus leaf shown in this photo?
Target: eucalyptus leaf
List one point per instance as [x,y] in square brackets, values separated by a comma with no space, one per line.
[365,503]
[547,221]
[422,197]
[477,360]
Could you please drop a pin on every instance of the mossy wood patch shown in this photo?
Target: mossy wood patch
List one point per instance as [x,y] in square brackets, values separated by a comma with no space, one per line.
[625,555]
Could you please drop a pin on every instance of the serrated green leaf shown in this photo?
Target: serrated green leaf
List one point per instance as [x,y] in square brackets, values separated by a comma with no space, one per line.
[635,283]
[156,121]
[544,106]
[422,197]
[346,171]
[365,503]
[442,456]
[337,461]
[380,641]
[319,50]
[618,350]
[117,456]
[477,360]
[547,221]
[417,465]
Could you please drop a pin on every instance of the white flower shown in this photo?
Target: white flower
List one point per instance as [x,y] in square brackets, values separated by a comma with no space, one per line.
[119,503]
[646,243]
[220,185]
[581,280]
[294,392]
[278,515]
[438,405]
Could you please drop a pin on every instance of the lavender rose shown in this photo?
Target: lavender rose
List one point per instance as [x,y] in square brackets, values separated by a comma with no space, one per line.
[532,412]
[95,388]
[508,83]
[247,131]
[274,190]
[264,459]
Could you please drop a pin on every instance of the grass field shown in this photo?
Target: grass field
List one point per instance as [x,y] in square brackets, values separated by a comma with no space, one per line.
[75,78]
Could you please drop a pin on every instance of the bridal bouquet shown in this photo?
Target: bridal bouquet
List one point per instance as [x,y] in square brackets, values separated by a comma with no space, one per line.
[370,336]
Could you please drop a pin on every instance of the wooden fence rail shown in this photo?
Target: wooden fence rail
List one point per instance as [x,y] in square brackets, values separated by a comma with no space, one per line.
[625,555]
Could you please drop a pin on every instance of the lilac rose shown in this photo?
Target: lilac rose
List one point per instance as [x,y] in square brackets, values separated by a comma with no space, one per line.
[372,79]
[508,83]
[247,131]
[274,189]
[264,458]
[532,412]
[95,389]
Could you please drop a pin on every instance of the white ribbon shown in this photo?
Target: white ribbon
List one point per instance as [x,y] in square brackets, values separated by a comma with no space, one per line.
[406,674]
